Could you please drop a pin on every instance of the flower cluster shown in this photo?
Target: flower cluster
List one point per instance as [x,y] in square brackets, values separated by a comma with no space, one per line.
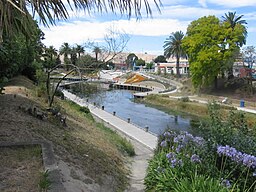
[182,138]
[173,159]
[180,145]
[195,158]
[226,183]
[237,156]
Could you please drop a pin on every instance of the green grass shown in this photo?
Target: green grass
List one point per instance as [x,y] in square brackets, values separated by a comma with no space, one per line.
[20,166]
[177,107]
[44,183]
[193,109]
[123,145]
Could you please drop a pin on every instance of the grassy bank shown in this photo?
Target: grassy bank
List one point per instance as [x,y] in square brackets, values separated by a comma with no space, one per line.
[95,155]
[25,158]
[100,151]
[194,109]
[175,106]
[122,144]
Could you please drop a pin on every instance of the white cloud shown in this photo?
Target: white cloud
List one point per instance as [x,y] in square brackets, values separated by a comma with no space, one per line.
[233,3]
[80,31]
[250,16]
[202,3]
[191,13]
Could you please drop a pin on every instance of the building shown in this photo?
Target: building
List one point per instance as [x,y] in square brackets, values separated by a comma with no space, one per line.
[170,67]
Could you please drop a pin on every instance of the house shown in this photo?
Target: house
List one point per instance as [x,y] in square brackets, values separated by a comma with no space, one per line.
[170,67]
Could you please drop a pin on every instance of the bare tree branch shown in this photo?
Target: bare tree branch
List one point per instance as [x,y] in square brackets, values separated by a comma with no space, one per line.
[116,43]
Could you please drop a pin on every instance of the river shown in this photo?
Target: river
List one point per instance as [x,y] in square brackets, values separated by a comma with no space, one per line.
[122,102]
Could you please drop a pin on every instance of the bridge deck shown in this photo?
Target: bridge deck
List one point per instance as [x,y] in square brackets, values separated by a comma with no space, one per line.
[123,126]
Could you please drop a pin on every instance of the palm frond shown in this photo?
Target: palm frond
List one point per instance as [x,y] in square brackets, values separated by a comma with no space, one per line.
[49,11]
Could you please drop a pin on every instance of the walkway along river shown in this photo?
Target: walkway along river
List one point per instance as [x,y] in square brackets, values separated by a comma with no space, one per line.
[121,102]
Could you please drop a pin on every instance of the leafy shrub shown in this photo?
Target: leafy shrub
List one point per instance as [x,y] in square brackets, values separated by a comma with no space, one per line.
[224,158]
[84,109]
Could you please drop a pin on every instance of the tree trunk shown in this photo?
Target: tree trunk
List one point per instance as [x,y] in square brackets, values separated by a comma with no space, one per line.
[216,82]
[178,66]
[57,86]
[96,56]
[48,86]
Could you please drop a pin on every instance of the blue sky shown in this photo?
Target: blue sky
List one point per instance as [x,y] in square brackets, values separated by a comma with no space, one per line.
[148,34]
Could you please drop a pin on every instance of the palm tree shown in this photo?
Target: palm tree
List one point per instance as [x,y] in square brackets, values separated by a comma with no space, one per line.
[50,55]
[51,10]
[14,18]
[73,55]
[97,51]
[173,48]
[233,21]
[79,50]
[65,50]
[51,52]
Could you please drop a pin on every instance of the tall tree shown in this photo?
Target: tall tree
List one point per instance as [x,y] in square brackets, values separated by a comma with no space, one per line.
[50,56]
[65,50]
[235,23]
[140,62]
[249,57]
[15,14]
[79,50]
[21,55]
[97,51]
[208,50]
[73,55]
[160,59]
[115,43]
[173,48]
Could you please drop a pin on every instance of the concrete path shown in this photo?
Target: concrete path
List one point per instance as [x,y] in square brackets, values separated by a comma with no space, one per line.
[129,129]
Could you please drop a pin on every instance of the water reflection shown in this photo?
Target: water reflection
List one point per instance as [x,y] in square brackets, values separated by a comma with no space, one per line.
[121,101]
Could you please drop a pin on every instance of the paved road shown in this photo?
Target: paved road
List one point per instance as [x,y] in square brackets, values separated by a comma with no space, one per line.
[121,125]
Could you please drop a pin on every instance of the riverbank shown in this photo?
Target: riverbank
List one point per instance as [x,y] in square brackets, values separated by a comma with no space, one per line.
[185,106]
[86,157]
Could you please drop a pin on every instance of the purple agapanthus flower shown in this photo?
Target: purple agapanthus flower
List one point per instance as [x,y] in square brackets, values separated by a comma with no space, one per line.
[176,162]
[226,183]
[237,156]
[179,147]
[163,143]
[170,155]
[249,161]
[199,141]
[167,134]
[195,158]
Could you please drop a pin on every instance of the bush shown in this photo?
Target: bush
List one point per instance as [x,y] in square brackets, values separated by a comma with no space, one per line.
[223,159]
[84,109]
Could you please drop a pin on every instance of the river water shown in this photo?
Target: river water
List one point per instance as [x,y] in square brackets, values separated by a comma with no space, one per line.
[122,102]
